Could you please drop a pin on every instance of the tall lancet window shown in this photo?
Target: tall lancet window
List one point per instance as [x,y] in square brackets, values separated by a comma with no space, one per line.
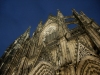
[49,33]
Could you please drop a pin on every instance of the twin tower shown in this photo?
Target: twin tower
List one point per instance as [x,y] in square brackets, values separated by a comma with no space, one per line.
[54,49]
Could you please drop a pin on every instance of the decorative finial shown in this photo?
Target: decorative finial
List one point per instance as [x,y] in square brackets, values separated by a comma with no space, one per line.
[60,14]
[75,12]
[39,26]
[28,30]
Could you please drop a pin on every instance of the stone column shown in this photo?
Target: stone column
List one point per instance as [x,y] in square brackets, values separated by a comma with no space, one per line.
[72,69]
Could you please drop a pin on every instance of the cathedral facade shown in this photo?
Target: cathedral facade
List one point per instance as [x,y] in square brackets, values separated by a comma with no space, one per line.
[54,49]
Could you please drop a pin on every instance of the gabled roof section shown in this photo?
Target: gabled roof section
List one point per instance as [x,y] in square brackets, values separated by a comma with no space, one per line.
[50,19]
[83,51]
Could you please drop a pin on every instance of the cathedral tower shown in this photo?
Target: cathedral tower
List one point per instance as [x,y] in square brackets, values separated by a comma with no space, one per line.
[54,49]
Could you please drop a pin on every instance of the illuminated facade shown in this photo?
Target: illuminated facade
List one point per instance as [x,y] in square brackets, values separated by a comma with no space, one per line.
[54,49]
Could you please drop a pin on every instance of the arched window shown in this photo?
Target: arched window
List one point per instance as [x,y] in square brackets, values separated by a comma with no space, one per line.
[49,33]
[50,37]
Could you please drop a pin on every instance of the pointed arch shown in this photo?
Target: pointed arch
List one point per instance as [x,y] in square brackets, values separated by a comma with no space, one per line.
[89,65]
[43,68]
[48,33]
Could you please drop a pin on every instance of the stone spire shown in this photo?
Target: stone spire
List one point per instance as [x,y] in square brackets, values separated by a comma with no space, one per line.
[75,12]
[59,14]
[23,37]
[39,26]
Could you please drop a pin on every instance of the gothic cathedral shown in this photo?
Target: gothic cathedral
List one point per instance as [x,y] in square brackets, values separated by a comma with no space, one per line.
[54,49]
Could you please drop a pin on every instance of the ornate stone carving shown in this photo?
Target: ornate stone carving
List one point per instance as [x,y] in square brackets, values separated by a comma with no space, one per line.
[54,49]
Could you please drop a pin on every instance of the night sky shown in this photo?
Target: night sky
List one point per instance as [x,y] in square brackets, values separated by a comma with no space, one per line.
[17,15]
